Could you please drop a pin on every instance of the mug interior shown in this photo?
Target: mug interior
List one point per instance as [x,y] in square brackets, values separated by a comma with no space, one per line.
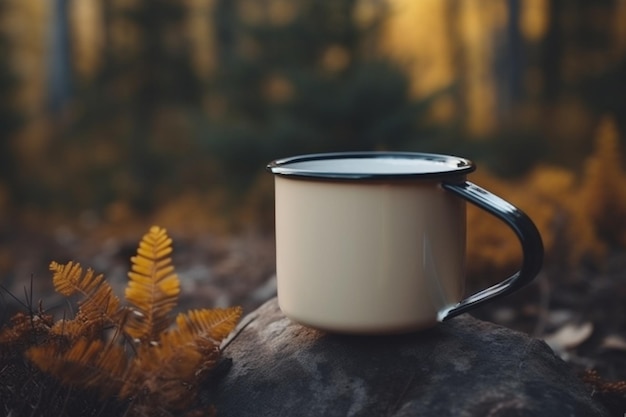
[371,165]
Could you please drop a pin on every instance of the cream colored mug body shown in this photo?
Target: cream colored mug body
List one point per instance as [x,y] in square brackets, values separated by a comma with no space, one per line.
[374,242]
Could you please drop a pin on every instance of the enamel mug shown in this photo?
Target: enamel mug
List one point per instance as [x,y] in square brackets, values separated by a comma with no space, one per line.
[374,242]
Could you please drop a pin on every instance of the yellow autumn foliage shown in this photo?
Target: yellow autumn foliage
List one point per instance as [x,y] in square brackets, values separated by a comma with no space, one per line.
[140,351]
[580,218]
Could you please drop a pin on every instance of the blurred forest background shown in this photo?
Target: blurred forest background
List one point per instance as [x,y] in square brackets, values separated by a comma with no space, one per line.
[119,114]
[123,113]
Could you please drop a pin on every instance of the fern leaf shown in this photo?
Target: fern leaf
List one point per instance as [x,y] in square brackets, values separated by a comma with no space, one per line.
[213,324]
[163,370]
[26,328]
[69,279]
[162,376]
[72,329]
[205,330]
[99,308]
[153,287]
[87,363]
[189,350]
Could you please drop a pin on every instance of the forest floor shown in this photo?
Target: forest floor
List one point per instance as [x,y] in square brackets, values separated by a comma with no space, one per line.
[580,313]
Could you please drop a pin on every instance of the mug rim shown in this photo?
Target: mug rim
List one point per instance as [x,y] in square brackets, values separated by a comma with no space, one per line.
[446,165]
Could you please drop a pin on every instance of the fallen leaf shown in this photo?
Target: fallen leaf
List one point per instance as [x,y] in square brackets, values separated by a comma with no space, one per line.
[614,342]
[569,336]
[558,318]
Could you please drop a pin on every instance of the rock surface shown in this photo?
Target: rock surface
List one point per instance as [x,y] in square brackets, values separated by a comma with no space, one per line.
[461,368]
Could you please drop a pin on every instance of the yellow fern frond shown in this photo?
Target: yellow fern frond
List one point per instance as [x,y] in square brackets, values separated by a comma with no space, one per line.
[153,287]
[201,329]
[87,363]
[163,376]
[213,324]
[163,367]
[70,328]
[99,308]
[68,279]
[166,371]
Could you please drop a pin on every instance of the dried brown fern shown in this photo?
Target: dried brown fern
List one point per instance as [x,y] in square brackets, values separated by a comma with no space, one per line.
[172,367]
[86,363]
[612,394]
[26,329]
[128,352]
[99,307]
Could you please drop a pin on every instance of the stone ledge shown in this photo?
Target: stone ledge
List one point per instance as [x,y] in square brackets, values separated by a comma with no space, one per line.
[461,368]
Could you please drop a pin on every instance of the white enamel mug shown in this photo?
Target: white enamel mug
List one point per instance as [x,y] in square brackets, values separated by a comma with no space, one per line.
[374,242]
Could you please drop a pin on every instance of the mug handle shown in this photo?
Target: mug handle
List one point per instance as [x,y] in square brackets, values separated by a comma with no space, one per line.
[524,228]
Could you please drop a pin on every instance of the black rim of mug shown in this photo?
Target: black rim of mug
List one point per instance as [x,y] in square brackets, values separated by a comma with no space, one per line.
[447,166]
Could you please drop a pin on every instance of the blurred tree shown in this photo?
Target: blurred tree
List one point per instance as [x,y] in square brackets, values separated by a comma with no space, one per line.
[304,76]
[606,92]
[603,80]
[552,51]
[59,63]
[509,62]
[579,43]
[9,117]
[128,129]
[555,83]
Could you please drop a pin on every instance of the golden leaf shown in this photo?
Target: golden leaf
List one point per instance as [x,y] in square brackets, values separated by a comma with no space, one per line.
[161,369]
[99,308]
[164,375]
[153,287]
[68,279]
[87,363]
[213,324]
